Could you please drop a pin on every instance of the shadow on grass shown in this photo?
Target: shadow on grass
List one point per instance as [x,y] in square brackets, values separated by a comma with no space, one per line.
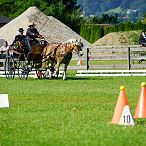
[89,78]
[78,78]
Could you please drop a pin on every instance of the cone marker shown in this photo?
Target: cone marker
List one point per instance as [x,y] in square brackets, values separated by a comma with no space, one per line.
[79,62]
[140,111]
[122,114]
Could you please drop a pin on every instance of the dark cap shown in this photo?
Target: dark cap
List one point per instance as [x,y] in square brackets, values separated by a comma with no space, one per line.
[20,30]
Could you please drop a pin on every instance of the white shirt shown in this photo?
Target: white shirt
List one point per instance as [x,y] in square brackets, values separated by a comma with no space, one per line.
[4,48]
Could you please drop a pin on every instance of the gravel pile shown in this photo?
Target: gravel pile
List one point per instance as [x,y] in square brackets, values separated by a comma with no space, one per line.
[2,42]
[52,29]
[119,38]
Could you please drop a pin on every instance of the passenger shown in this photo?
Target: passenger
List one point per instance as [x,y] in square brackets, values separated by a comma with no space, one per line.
[20,37]
[32,33]
[142,38]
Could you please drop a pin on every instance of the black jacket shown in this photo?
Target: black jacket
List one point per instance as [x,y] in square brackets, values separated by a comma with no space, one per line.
[19,38]
[32,33]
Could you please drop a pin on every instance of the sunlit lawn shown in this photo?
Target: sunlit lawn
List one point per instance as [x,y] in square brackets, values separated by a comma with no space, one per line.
[75,112]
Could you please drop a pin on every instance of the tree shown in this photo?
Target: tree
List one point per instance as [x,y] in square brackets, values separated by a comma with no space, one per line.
[67,12]
[7,7]
[64,10]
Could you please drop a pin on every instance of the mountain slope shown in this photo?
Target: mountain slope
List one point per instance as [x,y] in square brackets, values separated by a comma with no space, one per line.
[132,9]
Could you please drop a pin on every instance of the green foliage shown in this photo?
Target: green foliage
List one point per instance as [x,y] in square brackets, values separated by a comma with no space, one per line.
[64,10]
[89,32]
[105,18]
[7,7]
[93,32]
[67,12]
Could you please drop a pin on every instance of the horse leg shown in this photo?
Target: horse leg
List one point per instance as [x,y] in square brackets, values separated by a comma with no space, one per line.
[51,69]
[57,69]
[65,69]
[47,68]
[48,73]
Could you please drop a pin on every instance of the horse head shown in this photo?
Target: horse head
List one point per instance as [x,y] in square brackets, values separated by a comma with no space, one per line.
[77,46]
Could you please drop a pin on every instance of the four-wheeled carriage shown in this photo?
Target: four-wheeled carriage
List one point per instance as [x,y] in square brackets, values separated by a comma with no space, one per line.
[20,62]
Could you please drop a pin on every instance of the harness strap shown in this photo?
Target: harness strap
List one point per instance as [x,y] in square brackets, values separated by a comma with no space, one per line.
[54,51]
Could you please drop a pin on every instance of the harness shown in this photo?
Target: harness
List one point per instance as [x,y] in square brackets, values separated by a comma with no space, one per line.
[63,49]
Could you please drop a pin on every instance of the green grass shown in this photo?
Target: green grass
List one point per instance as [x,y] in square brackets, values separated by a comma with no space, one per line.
[107,62]
[75,112]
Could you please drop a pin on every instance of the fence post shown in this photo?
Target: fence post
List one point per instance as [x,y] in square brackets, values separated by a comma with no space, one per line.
[128,58]
[87,58]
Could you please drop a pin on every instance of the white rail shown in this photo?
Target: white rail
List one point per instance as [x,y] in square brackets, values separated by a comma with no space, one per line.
[91,73]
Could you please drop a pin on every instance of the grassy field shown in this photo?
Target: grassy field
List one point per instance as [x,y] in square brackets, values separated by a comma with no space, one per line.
[75,112]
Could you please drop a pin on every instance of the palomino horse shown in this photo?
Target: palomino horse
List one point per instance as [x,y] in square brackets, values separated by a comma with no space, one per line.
[58,54]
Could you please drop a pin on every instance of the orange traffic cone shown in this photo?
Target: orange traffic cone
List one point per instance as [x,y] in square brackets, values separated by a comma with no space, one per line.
[121,103]
[80,62]
[140,111]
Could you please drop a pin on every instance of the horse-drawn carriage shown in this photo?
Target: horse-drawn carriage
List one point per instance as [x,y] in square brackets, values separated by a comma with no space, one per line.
[21,61]
[44,58]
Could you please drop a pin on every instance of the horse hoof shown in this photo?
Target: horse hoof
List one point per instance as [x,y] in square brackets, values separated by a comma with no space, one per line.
[64,78]
[52,77]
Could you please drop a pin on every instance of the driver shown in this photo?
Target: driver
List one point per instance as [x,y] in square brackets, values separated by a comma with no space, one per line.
[32,33]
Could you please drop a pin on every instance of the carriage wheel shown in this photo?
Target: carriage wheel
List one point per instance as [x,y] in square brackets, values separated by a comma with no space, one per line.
[9,68]
[40,74]
[23,70]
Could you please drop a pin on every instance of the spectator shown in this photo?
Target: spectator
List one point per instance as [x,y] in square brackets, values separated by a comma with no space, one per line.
[3,49]
[142,38]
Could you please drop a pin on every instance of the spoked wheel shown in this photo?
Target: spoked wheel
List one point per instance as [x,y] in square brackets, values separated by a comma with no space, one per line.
[23,70]
[9,68]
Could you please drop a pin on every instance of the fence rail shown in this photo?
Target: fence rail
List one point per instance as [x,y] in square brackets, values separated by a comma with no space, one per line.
[131,55]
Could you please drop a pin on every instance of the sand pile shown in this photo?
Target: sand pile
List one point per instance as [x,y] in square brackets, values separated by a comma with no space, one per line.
[52,29]
[119,38]
[2,42]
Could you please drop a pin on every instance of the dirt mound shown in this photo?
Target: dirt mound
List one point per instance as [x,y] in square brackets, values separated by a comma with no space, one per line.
[119,38]
[2,42]
[52,29]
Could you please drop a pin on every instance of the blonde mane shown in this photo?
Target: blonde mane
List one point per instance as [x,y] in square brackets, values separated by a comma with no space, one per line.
[74,41]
